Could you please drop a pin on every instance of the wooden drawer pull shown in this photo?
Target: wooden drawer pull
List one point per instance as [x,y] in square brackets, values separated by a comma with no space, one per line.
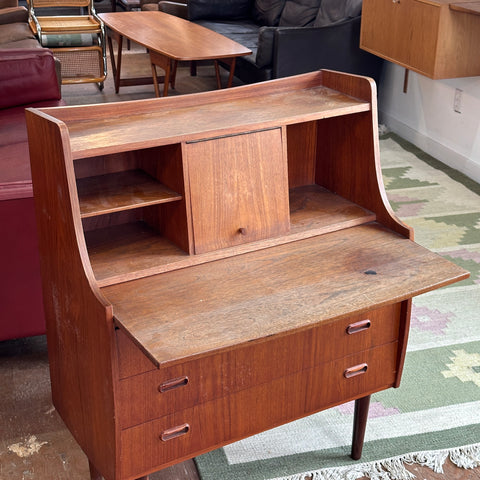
[174,432]
[172,384]
[356,370]
[359,326]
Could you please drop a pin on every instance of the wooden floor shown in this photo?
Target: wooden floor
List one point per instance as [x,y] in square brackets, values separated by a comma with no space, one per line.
[34,443]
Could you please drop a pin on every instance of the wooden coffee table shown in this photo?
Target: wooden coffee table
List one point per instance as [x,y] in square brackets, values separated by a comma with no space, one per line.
[168,39]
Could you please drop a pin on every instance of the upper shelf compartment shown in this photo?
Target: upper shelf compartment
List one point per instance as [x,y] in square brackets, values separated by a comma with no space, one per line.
[121,191]
[108,128]
[168,183]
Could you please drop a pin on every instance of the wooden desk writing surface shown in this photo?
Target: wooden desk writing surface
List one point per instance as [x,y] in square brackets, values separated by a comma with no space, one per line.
[272,292]
[218,264]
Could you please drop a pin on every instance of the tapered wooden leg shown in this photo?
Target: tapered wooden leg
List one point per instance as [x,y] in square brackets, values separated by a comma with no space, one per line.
[94,474]
[359,426]
[116,66]
[162,61]
[232,72]
[166,80]
[173,73]
[155,80]
[231,63]
[217,74]
[193,68]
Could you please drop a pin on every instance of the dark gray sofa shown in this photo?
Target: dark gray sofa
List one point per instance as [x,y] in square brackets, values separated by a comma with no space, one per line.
[287,37]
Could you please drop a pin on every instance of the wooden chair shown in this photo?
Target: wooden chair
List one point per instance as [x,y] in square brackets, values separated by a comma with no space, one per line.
[77,40]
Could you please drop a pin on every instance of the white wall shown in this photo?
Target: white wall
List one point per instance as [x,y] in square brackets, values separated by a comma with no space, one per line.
[425,116]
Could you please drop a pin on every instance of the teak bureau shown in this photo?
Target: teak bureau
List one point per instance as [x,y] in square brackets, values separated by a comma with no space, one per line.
[218,264]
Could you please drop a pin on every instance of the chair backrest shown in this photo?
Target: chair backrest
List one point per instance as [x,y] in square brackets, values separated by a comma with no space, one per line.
[60,3]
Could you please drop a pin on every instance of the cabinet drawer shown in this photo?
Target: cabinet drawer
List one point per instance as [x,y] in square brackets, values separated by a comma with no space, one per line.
[160,392]
[203,427]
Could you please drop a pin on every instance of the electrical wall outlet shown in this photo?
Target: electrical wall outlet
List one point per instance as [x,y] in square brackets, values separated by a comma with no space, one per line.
[457,100]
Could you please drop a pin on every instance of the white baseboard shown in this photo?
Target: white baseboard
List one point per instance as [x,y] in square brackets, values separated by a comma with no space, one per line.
[441,152]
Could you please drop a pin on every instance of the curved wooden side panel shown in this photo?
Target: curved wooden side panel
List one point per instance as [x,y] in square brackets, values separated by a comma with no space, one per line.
[80,329]
[347,146]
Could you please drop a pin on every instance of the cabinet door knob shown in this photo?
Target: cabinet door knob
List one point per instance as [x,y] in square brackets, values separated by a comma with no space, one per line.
[359,326]
[356,370]
[174,432]
[242,231]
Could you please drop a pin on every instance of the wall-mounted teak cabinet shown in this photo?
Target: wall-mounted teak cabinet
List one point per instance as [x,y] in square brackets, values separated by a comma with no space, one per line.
[437,38]
[218,264]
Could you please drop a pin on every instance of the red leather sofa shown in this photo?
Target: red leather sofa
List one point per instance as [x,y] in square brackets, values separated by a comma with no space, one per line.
[28,78]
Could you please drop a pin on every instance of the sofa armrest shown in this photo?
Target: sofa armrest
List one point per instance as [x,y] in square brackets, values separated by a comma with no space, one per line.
[336,47]
[13,15]
[27,76]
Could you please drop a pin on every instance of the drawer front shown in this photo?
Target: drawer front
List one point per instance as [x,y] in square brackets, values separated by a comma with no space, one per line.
[207,426]
[161,392]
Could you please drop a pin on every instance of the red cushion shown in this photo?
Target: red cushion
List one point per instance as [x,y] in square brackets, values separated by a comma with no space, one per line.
[27,76]
[14,156]
[21,292]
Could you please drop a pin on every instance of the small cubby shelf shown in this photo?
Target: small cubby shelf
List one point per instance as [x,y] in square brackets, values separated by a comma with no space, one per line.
[315,210]
[135,249]
[121,191]
[128,251]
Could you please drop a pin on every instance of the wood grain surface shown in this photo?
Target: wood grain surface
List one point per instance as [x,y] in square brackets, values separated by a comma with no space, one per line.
[174,37]
[247,298]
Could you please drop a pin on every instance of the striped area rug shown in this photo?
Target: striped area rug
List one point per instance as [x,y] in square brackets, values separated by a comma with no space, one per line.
[435,413]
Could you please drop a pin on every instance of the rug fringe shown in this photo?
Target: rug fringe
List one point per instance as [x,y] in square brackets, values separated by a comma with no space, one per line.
[394,468]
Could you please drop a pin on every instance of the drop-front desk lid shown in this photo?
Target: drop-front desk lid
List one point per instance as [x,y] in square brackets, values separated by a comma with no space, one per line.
[214,306]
